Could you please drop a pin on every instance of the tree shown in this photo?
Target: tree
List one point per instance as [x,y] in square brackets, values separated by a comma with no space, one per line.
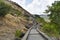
[55,12]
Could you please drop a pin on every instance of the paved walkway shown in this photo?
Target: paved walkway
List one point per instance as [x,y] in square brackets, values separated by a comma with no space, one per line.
[34,35]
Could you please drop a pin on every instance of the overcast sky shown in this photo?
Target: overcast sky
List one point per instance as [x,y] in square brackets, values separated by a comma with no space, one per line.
[34,6]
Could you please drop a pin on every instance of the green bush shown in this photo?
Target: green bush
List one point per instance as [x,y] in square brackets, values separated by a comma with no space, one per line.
[50,29]
[19,34]
[4,9]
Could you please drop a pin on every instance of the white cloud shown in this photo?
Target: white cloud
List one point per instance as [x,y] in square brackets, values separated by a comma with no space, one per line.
[36,7]
[20,2]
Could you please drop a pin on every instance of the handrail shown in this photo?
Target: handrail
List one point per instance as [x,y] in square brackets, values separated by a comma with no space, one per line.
[26,35]
[41,33]
[44,35]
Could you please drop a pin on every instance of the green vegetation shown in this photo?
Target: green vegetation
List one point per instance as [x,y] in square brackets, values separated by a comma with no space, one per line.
[4,8]
[15,12]
[19,34]
[52,28]
[8,9]
[55,14]
[49,28]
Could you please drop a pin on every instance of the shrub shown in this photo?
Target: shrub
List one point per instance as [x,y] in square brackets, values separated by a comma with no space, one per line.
[18,13]
[50,29]
[4,9]
[19,34]
[15,12]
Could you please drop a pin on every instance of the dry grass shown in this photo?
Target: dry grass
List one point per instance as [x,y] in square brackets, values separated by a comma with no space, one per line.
[9,25]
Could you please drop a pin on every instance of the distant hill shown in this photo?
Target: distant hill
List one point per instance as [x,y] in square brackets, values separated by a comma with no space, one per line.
[46,17]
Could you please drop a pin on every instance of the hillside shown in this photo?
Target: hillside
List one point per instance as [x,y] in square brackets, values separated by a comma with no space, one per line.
[16,19]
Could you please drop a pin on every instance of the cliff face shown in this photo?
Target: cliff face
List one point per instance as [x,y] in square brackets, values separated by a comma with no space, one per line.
[11,22]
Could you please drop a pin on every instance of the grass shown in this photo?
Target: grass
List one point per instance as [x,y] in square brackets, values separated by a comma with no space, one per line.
[7,8]
[19,34]
[51,29]
[4,8]
[15,12]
